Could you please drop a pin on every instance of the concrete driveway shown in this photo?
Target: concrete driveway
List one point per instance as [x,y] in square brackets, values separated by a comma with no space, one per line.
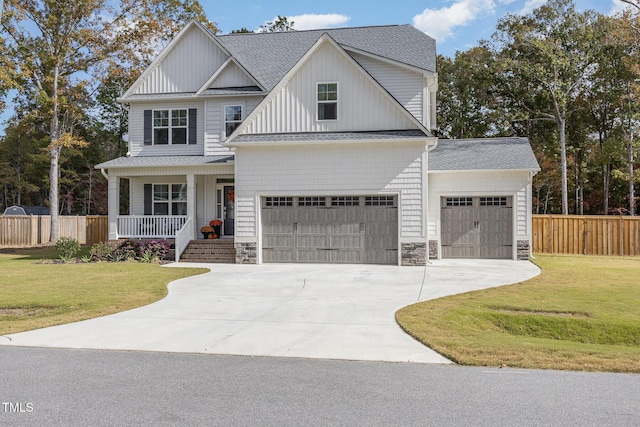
[286,310]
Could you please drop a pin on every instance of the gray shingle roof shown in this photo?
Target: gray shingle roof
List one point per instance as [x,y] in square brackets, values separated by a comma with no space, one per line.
[155,161]
[483,154]
[330,136]
[269,56]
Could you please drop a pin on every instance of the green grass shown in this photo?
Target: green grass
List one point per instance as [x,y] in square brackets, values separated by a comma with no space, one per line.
[581,313]
[35,294]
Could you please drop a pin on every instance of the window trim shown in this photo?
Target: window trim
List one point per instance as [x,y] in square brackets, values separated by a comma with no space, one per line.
[336,101]
[242,106]
[170,126]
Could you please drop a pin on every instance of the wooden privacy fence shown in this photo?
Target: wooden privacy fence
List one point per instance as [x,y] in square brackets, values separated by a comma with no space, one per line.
[586,235]
[35,230]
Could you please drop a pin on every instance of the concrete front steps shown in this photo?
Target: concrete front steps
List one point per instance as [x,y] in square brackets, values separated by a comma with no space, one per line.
[218,251]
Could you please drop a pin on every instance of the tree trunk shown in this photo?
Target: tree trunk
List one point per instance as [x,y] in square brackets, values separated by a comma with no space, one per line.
[54,153]
[606,178]
[54,171]
[563,163]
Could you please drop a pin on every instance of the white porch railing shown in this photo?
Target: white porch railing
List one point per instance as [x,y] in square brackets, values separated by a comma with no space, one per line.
[150,226]
[183,237]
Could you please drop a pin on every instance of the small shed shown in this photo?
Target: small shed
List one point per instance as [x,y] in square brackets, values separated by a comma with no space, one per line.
[26,210]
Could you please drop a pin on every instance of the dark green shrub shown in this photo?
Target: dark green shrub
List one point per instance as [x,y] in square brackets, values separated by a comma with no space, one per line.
[67,248]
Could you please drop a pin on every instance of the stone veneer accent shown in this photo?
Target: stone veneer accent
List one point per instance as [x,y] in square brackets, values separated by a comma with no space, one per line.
[414,254]
[523,250]
[433,249]
[246,253]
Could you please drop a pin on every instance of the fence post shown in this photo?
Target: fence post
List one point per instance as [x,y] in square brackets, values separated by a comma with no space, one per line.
[33,230]
[585,235]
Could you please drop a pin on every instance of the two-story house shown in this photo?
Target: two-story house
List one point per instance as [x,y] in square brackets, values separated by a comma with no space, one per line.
[314,146]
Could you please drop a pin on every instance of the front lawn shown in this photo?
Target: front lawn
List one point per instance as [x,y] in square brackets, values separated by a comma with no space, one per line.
[34,294]
[581,313]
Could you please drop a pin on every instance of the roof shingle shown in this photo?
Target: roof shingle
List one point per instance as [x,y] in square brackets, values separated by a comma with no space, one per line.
[483,154]
[269,56]
[159,161]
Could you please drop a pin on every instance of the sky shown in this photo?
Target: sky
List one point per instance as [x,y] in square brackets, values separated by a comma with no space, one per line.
[455,24]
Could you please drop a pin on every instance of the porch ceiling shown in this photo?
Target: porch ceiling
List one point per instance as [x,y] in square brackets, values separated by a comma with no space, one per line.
[163,161]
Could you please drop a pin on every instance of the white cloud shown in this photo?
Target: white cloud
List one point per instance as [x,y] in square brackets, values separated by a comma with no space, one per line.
[440,23]
[311,21]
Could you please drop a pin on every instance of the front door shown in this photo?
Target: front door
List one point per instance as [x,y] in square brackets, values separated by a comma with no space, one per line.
[228,215]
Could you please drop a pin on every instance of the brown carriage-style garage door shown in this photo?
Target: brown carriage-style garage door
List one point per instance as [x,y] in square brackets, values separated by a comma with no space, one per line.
[341,229]
[477,227]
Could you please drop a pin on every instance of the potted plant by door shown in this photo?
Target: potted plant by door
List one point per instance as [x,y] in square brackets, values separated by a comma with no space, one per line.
[215,225]
[207,231]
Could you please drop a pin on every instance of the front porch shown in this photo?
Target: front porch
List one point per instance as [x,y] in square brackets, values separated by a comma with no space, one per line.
[171,198]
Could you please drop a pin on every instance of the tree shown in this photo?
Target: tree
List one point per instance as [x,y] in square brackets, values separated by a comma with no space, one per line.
[281,24]
[467,103]
[624,35]
[547,57]
[60,48]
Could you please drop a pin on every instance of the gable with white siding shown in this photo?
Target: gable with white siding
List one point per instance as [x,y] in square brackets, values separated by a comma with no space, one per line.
[362,104]
[184,66]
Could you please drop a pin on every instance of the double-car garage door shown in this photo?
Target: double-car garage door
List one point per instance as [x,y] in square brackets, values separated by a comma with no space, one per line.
[331,229]
[476,227]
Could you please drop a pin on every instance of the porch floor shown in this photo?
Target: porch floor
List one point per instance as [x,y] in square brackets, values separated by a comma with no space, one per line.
[218,251]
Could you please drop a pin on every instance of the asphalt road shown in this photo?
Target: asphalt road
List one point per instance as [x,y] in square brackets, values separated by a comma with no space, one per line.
[57,387]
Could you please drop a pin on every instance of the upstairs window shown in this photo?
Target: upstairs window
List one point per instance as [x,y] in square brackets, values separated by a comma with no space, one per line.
[169,127]
[232,118]
[327,101]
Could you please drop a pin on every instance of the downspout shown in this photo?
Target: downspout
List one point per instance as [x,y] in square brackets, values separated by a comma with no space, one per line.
[427,120]
[530,213]
[425,203]
[104,174]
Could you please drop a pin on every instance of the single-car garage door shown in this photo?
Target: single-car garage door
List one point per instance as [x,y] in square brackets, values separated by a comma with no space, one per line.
[477,227]
[339,229]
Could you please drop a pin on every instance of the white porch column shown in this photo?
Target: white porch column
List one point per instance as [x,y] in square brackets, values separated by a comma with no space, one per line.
[191,202]
[114,205]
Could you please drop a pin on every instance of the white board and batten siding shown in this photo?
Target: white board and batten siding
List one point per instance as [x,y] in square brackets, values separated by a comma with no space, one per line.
[232,76]
[136,130]
[404,85]
[362,106]
[214,121]
[186,67]
[330,170]
[512,184]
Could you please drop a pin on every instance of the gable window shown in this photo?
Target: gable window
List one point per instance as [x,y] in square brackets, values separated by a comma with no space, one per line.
[327,101]
[170,127]
[169,199]
[232,118]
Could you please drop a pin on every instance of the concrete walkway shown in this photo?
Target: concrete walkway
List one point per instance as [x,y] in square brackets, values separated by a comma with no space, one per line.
[287,310]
